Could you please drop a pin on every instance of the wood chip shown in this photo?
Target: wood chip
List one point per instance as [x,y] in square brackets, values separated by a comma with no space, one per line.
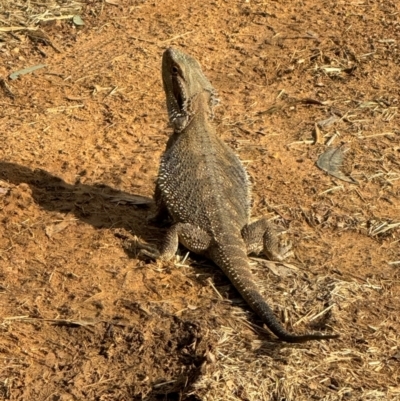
[319,138]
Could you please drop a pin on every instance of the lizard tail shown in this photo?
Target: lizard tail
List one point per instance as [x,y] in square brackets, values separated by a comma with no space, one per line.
[264,311]
[236,267]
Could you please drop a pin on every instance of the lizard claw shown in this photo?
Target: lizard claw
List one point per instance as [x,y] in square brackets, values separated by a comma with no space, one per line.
[149,253]
[143,250]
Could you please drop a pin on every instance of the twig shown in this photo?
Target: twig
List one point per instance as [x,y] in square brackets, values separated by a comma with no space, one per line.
[175,37]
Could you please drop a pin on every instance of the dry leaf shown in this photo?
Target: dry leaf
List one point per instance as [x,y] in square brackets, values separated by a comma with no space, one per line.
[331,162]
[24,71]
[56,228]
[279,269]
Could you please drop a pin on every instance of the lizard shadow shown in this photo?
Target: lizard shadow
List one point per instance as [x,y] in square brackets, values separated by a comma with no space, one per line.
[101,206]
[98,205]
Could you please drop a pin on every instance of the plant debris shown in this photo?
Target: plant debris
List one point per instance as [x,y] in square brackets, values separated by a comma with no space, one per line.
[331,162]
[16,74]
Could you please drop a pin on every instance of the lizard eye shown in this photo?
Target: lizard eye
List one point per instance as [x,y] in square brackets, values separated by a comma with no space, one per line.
[175,70]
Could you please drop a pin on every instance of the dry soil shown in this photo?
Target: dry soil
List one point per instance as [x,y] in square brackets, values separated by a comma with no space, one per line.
[83,318]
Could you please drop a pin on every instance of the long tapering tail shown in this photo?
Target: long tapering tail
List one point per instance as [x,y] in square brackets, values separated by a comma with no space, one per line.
[233,261]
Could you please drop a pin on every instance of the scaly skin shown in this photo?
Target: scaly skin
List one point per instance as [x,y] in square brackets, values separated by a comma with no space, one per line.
[203,187]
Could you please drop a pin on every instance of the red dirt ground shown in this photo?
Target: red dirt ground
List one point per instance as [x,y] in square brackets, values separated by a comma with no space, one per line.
[83,318]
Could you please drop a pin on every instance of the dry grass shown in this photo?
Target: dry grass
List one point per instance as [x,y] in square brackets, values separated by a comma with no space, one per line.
[27,15]
[247,368]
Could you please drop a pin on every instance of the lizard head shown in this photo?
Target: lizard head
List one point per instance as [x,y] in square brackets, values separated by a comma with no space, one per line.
[184,81]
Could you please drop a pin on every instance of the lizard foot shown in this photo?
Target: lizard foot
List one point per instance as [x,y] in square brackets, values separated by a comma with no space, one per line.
[282,252]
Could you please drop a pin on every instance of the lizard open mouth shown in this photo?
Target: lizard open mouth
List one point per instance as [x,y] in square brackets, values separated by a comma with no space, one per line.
[178,92]
[178,88]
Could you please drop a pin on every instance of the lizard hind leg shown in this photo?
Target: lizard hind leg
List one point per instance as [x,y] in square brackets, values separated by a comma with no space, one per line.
[190,236]
[261,236]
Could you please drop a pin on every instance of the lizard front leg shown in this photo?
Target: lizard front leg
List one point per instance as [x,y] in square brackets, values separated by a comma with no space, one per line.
[261,237]
[162,217]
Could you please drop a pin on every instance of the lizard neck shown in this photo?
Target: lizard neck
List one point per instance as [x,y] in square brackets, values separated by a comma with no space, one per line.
[202,103]
[199,111]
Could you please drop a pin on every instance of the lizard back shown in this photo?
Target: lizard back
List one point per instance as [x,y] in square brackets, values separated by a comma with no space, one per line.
[201,179]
